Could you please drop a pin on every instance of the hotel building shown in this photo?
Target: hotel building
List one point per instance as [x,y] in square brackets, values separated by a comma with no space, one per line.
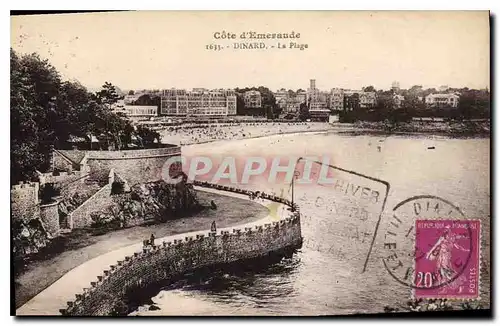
[198,102]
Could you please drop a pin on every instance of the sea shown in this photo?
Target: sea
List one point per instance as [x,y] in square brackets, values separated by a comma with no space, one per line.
[339,269]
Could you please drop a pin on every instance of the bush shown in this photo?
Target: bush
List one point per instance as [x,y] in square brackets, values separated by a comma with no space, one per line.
[47,192]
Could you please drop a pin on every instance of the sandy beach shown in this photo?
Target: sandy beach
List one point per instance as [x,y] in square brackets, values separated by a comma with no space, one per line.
[234,131]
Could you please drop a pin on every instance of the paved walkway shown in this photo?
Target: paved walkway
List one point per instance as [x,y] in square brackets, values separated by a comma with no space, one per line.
[56,296]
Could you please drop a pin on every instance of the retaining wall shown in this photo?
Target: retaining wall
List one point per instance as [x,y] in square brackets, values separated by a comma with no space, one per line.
[49,214]
[24,201]
[81,217]
[62,178]
[136,166]
[168,260]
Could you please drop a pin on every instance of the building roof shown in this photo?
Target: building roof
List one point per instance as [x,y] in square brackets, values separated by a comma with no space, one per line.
[74,156]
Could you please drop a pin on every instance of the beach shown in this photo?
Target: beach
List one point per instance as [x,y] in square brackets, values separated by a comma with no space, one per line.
[199,134]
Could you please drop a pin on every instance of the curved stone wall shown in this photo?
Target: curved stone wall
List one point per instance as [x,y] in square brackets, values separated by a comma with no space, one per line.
[168,260]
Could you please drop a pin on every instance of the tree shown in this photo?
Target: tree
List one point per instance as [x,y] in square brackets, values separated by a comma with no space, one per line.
[304,112]
[415,89]
[116,127]
[474,104]
[240,105]
[107,95]
[131,92]
[269,107]
[34,87]
[144,99]
[411,104]
[71,105]
[369,89]
[268,101]
[385,105]
[46,112]
[428,91]
[147,136]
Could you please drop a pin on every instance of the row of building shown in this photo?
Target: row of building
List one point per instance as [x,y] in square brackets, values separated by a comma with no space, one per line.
[222,102]
[195,102]
[180,102]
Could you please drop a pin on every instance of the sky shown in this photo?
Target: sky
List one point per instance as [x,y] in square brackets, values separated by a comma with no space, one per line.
[160,49]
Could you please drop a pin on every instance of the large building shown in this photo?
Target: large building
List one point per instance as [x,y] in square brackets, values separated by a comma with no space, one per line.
[317,102]
[439,100]
[293,104]
[198,102]
[337,99]
[289,102]
[365,100]
[282,103]
[348,100]
[252,99]
[301,96]
[282,94]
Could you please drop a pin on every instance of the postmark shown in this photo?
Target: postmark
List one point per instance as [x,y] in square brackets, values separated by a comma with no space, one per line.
[352,205]
[418,232]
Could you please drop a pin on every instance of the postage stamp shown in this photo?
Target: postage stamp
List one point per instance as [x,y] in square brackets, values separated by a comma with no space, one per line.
[433,248]
[447,259]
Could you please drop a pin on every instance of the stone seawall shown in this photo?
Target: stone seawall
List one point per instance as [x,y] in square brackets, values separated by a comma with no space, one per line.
[170,259]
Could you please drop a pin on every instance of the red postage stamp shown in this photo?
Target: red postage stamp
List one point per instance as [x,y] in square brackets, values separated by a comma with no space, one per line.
[447,259]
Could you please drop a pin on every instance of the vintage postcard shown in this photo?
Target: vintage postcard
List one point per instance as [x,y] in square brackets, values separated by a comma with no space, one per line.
[251,163]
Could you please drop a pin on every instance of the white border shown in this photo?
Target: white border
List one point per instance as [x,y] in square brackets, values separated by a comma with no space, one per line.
[190,5]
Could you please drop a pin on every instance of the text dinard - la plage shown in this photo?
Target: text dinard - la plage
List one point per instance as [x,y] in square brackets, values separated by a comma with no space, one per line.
[255,40]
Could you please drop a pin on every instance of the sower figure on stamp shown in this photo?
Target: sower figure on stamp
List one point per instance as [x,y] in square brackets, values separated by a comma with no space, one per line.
[442,253]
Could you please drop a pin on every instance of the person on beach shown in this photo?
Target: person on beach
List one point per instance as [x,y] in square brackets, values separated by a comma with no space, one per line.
[213,227]
[152,240]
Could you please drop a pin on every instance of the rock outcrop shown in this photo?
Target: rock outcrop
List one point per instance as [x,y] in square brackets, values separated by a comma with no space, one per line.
[152,202]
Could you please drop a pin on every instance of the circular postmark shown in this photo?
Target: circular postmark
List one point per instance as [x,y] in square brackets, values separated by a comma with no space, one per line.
[428,243]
